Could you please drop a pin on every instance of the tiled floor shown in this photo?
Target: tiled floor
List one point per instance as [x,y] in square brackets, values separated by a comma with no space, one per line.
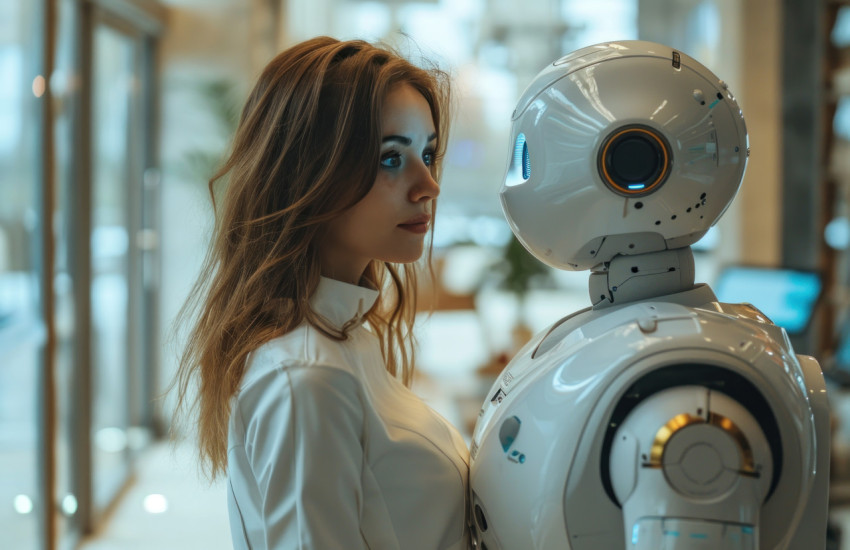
[196,513]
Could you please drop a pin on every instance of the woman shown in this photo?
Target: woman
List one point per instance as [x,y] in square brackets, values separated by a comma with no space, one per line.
[305,310]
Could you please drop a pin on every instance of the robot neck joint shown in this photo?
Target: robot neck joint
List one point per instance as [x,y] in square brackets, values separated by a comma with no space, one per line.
[641,276]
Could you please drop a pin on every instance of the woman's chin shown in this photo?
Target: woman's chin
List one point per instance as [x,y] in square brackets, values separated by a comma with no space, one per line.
[406,256]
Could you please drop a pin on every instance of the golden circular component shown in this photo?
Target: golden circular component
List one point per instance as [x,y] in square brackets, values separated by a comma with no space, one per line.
[680,421]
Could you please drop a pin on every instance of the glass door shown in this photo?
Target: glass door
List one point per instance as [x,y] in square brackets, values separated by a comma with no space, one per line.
[68,211]
[112,158]
[22,334]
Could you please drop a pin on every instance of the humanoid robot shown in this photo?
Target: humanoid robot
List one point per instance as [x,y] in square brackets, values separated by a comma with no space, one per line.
[658,417]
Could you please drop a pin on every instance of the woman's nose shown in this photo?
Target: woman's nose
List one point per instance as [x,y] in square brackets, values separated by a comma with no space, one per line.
[425,187]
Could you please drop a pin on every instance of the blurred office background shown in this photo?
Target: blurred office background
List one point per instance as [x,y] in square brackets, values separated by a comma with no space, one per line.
[113,114]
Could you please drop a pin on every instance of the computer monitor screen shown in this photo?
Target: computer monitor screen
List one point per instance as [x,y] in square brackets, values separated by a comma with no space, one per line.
[787,296]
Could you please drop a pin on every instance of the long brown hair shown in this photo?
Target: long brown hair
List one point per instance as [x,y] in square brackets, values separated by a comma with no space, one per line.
[307,148]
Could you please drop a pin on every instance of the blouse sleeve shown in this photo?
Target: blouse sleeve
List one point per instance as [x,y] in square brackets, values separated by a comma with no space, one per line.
[304,443]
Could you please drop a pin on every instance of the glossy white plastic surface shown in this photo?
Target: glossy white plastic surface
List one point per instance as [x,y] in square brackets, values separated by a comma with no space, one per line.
[558,396]
[558,205]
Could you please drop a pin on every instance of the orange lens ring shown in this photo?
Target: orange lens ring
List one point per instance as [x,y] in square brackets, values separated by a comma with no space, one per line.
[660,177]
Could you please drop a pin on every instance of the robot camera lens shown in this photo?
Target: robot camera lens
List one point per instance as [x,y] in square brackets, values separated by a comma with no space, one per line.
[634,160]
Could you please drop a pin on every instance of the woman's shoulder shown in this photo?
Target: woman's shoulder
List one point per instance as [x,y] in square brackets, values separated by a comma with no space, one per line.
[294,395]
[301,348]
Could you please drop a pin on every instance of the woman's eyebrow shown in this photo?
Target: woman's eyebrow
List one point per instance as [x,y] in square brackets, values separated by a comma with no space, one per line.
[405,140]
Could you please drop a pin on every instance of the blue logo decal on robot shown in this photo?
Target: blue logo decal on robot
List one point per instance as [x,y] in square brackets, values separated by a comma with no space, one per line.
[517,457]
[507,435]
[508,432]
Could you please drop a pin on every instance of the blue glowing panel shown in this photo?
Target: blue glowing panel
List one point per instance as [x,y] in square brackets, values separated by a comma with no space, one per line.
[526,163]
[521,156]
[786,296]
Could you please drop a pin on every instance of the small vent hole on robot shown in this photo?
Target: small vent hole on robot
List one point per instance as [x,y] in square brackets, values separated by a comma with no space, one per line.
[696,205]
[719,95]
[702,102]
[635,269]
[673,217]
[672,269]
[688,210]
[702,196]
[701,217]
[593,252]
[638,205]
[480,519]
[657,222]
[631,246]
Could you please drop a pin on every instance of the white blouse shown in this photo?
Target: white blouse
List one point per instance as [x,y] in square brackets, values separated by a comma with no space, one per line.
[326,450]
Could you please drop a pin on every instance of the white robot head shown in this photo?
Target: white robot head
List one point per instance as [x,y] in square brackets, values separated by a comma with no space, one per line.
[621,148]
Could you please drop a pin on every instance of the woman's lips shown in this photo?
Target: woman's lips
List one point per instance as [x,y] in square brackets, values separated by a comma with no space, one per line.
[419,224]
[415,227]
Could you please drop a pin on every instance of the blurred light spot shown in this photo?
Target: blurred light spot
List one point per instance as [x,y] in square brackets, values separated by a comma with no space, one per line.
[841,120]
[109,241]
[38,86]
[69,505]
[841,30]
[837,233]
[111,440]
[155,504]
[23,504]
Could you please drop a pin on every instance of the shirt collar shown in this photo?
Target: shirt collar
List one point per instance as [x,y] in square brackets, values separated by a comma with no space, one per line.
[341,303]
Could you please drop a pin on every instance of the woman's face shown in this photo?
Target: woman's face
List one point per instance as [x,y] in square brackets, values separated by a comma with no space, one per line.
[390,222]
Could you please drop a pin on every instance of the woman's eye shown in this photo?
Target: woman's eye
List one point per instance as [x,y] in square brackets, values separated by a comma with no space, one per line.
[429,157]
[391,160]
